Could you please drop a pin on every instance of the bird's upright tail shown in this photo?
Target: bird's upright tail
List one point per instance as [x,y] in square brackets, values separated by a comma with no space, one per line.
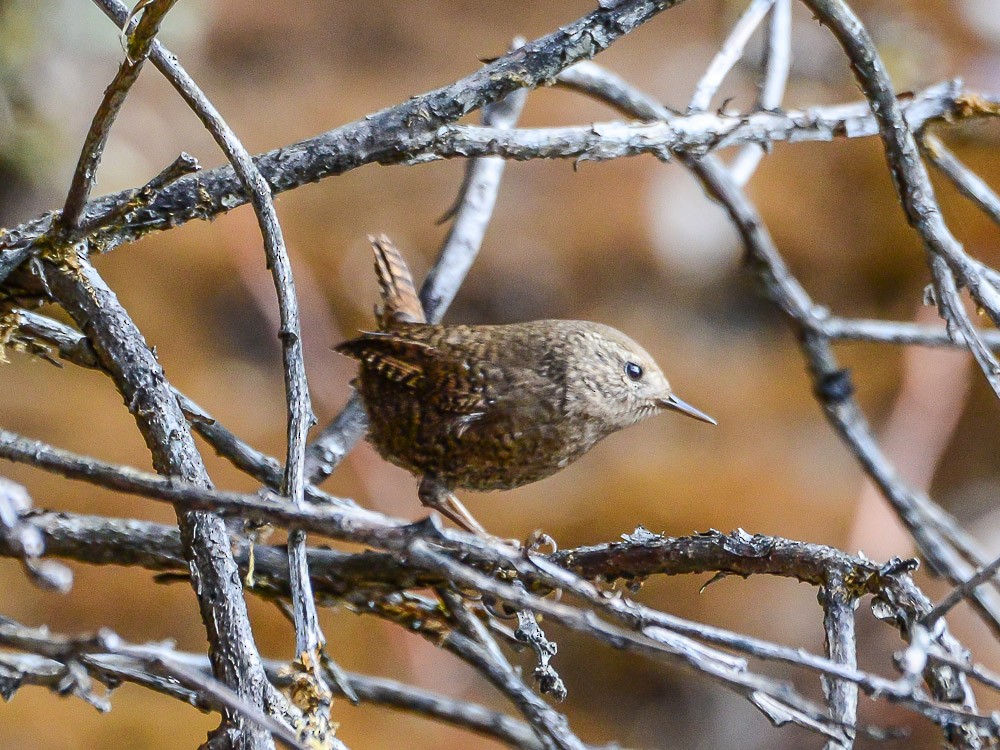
[400,303]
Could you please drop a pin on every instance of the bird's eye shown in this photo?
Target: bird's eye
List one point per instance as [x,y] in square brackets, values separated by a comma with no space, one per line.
[633,371]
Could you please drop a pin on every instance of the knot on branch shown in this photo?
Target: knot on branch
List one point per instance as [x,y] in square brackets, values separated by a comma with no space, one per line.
[834,388]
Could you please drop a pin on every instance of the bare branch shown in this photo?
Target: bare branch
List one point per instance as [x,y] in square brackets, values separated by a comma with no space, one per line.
[697,134]
[140,379]
[899,332]
[150,659]
[133,200]
[910,175]
[551,727]
[841,647]
[389,136]
[356,577]
[139,44]
[984,574]
[778,54]
[968,182]
[729,54]
[308,635]
[30,669]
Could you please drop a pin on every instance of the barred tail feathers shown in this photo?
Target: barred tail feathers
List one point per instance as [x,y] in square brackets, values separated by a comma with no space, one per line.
[400,303]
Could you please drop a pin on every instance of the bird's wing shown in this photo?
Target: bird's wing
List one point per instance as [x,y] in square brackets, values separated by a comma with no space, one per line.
[394,358]
[420,366]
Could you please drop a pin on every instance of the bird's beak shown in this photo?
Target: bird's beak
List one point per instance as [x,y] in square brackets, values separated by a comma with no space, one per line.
[672,402]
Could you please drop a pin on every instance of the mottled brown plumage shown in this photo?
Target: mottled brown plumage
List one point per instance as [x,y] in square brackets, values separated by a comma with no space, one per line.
[494,407]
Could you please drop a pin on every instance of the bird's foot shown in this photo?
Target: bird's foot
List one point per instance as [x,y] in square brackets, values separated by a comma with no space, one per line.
[434,494]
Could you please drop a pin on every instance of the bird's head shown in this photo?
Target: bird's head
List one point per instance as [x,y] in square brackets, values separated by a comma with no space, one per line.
[616,383]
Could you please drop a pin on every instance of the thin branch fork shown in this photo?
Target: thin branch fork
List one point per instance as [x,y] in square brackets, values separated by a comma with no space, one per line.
[385,137]
[124,354]
[308,635]
[85,176]
[660,622]
[152,659]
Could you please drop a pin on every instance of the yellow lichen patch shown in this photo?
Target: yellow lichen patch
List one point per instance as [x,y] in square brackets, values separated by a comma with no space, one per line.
[10,323]
[974,105]
[308,694]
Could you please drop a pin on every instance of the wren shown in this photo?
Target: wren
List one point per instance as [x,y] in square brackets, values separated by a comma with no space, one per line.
[493,407]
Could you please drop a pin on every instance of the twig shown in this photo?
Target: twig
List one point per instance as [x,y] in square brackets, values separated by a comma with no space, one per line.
[225,698]
[698,134]
[971,185]
[931,527]
[952,309]
[528,631]
[26,540]
[909,173]
[900,332]
[391,135]
[728,55]
[962,591]
[471,214]
[778,56]
[31,669]
[385,140]
[85,175]
[72,346]
[133,200]
[140,379]
[356,576]
[727,670]
[152,658]
[309,638]
[841,647]
[551,727]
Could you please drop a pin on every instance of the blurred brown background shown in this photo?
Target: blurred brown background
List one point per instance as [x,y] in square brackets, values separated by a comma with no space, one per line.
[631,243]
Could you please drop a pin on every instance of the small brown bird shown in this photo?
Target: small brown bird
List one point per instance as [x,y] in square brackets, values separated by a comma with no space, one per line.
[492,407]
